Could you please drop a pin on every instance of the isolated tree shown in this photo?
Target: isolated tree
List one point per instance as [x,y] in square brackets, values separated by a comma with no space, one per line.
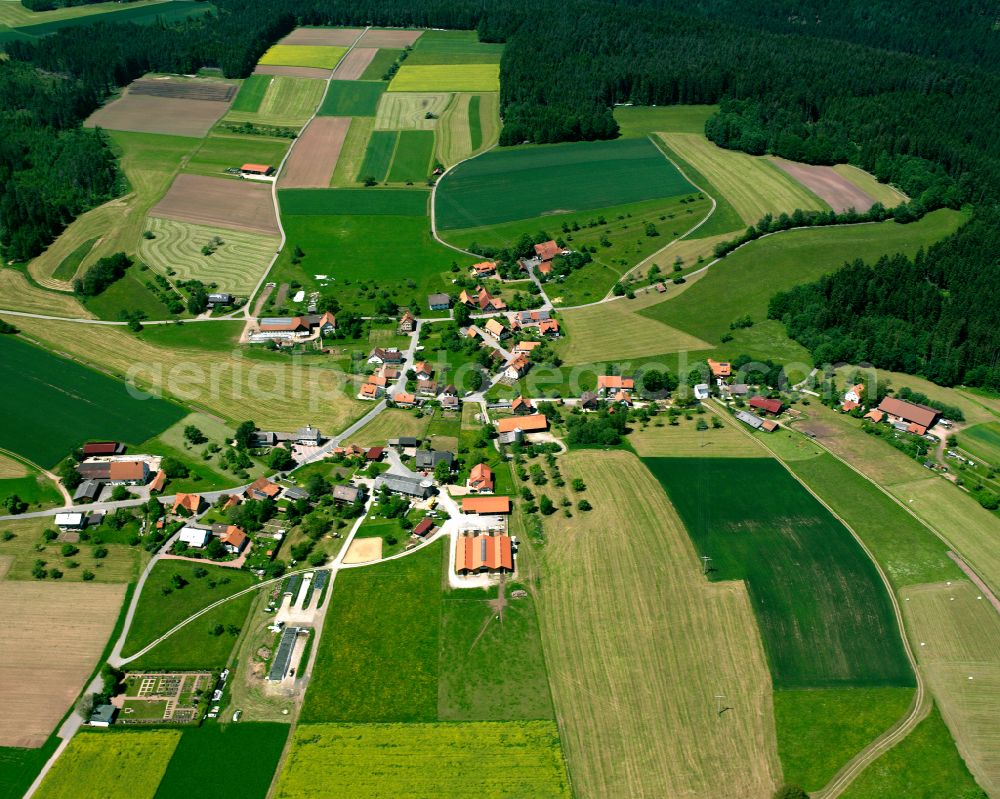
[789,791]
[578,484]
[193,435]
[244,434]
[442,472]
[583,505]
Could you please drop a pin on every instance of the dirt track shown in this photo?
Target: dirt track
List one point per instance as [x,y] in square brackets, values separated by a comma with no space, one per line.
[832,187]
[293,72]
[338,37]
[353,65]
[312,161]
[236,204]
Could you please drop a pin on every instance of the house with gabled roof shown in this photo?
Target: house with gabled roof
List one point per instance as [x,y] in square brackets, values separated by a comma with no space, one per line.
[484,269]
[371,391]
[423,370]
[517,367]
[407,322]
[495,328]
[429,388]
[611,384]
[522,407]
[549,327]
[480,479]
[486,506]
[526,424]
[720,369]
[404,400]
[386,355]
[438,302]
[262,488]
[187,503]
[548,250]
[526,347]
[772,406]
[855,394]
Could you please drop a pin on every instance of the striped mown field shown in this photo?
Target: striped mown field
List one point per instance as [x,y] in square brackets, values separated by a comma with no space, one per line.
[410,110]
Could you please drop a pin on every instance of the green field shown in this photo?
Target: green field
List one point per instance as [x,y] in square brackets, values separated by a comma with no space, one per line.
[76,403]
[384,58]
[35,488]
[157,612]
[19,767]
[378,656]
[736,287]
[409,111]
[474,760]
[352,154]
[287,102]
[352,98]
[819,730]
[924,765]
[220,152]
[378,156]
[412,160]
[251,93]
[234,266]
[475,122]
[447,78]
[362,202]
[507,185]
[301,55]
[453,47]
[99,765]
[130,294]
[69,265]
[237,760]
[982,441]
[641,121]
[137,13]
[470,123]
[823,611]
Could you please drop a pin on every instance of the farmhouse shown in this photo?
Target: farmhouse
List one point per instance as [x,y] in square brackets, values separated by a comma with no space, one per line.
[607,384]
[259,170]
[195,537]
[428,388]
[370,391]
[404,400]
[484,269]
[920,417]
[526,424]
[234,539]
[128,473]
[486,506]
[549,327]
[750,419]
[496,329]
[720,369]
[623,398]
[103,448]
[548,250]
[480,479]
[407,323]
[422,370]
[87,491]
[262,488]
[386,355]
[189,503]
[523,319]
[292,327]
[517,367]
[308,435]
[70,521]
[347,495]
[526,347]
[438,302]
[588,401]
[521,407]
[428,458]
[401,484]
[855,394]
[481,299]
[772,406]
[220,299]
[477,554]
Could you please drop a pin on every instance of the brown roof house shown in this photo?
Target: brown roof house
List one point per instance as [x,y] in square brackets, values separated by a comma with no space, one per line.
[921,416]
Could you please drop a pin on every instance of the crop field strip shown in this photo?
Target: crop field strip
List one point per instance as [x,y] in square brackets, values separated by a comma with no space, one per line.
[378,68]
[251,93]
[453,47]
[20,295]
[300,55]
[447,78]
[216,202]
[234,266]
[362,202]
[314,159]
[637,643]
[312,73]
[409,111]
[411,163]
[829,185]
[354,64]
[148,113]
[352,154]
[378,156]
[358,98]
[983,441]
[381,37]
[287,102]
[322,37]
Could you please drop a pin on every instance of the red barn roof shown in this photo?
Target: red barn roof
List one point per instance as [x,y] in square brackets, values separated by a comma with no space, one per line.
[765,404]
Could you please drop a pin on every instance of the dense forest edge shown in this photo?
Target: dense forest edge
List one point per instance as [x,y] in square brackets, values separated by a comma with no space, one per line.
[914,102]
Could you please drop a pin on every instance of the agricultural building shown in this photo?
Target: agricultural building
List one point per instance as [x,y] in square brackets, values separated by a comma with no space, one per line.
[401,484]
[588,401]
[520,319]
[486,506]
[347,494]
[438,302]
[374,453]
[220,299]
[772,406]
[479,554]
[701,391]
[920,416]
[283,659]
[534,423]
[260,170]
[128,473]
[750,419]
[480,479]
[403,442]
[308,435]
[428,458]
[87,491]
[424,527]
[875,415]
[103,448]
[521,407]
[159,481]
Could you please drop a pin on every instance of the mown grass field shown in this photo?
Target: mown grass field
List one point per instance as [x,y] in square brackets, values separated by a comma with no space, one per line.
[392,423]
[983,441]
[352,98]
[411,162]
[821,729]
[235,266]
[924,765]
[508,185]
[378,155]
[661,439]
[287,102]
[453,47]
[888,195]
[454,132]
[251,93]
[20,295]
[753,185]
[303,55]
[42,23]
[76,403]
[638,643]
[33,488]
[823,611]
[106,765]
[409,110]
[384,58]
[735,287]
[69,266]
[446,78]
[473,760]
[361,202]
[17,16]
[352,153]
[639,121]
[955,634]
[237,760]
[219,152]
[378,657]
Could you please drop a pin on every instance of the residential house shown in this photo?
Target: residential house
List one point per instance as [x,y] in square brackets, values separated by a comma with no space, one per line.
[588,401]
[404,400]
[623,398]
[548,250]
[234,539]
[308,435]
[428,388]
[449,403]
[496,328]
[196,537]
[526,424]
[549,327]
[347,495]
[772,406]
[702,391]
[612,384]
[482,300]
[516,367]
[158,482]
[407,323]
[294,493]
[438,302]
[875,415]
[486,506]
[522,407]
[484,269]
[478,554]
[480,479]
[418,487]
[128,473]
[423,371]
[103,448]
[187,503]
[524,319]
[921,417]
[855,394]
[231,502]
[737,389]
[450,390]
[390,373]
[721,370]
[424,527]
[370,391]
[70,521]
[261,489]
[526,347]
[386,355]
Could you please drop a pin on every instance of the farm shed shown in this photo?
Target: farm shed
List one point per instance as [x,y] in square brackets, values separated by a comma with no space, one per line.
[401,484]
[256,169]
[103,448]
[438,302]
[772,406]
[486,505]
[88,490]
[750,419]
[526,424]
[428,459]
[484,553]
[901,411]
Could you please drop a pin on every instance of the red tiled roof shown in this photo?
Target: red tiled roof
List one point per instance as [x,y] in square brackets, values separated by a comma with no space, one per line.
[875,415]
[908,411]
[423,525]
[101,448]
[262,168]
[765,404]
[481,477]
[189,502]
[849,405]
[374,453]
[526,424]
[492,552]
[159,481]
[128,470]
[615,382]
[547,250]
[233,536]
[264,486]
[720,368]
[486,505]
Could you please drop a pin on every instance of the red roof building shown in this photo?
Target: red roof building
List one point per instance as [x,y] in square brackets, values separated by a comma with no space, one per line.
[484,553]
[103,448]
[486,505]
[189,502]
[256,169]
[767,405]
[480,479]
[902,411]
[375,453]
[534,423]
[547,250]
[424,526]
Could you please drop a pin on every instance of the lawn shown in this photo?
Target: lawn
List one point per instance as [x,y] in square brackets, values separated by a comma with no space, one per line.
[752,184]
[491,669]
[511,184]
[638,643]
[392,423]
[737,287]
[378,156]
[685,440]
[640,121]
[237,760]
[983,441]
[219,153]
[301,55]
[822,608]
[69,265]
[819,730]
[129,294]
[234,266]
[352,98]
[363,202]
[157,612]
[924,765]
[379,651]
[287,102]
[446,78]
[76,403]
[111,765]
[475,760]
[251,93]
[412,160]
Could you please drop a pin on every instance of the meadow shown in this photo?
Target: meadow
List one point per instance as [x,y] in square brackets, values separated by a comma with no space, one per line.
[453,47]
[238,760]
[352,98]
[33,488]
[638,643]
[77,404]
[379,651]
[753,185]
[446,78]
[470,124]
[409,111]
[219,152]
[361,202]
[69,266]
[983,441]
[234,266]
[303,55]
[823,611]
[473,760]
[287,102]
[411,163]
[660,439]
[251,93]
[378,155]
[159,610]
[511,184]
[391,423]
[377,68]
[111,765]
[352,153]
[639,121]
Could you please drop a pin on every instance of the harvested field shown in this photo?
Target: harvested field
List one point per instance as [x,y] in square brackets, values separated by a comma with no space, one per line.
[364,550]
[353,99]
[827,184]
[10,468]
[408,111]
[292,72]
[18,16]
[234,266]
[213,91]
[956,636]
[147,114]
[17,294]
[636,652]
[388,38]
[54,635]
[354,64]
[323,37]
[454,138]
[447,78]
[288,102]
[240,205]
[888,195]
[314,157]
[300,55]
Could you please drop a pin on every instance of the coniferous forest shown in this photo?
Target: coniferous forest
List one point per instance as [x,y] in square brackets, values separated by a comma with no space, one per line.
[910,92]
